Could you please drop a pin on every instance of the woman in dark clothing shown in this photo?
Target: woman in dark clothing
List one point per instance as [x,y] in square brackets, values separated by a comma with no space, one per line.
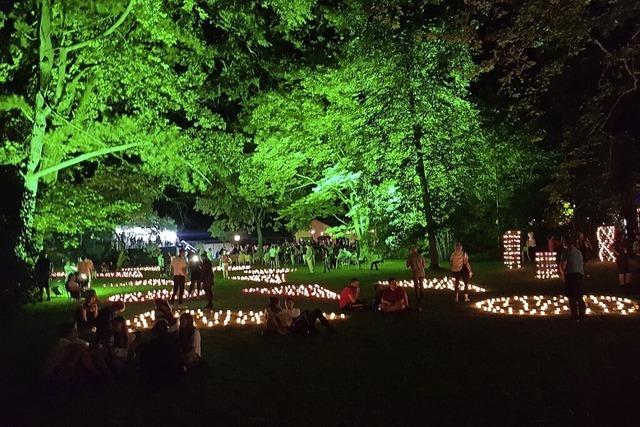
[160,357]
[163,311]
[621,251]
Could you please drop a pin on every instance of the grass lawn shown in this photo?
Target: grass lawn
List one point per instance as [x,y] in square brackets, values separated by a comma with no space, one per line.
[449,365]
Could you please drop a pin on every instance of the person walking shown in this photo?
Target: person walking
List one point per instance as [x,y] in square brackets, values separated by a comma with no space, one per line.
[207,280]
[43,272]
[179,270]
[461,270]
[572,269]
[416,263]
[621,251]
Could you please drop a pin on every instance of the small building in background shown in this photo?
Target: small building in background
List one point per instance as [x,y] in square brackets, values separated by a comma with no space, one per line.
[317,230]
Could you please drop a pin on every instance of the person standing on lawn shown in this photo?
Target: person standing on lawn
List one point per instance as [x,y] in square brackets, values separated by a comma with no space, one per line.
[461,270]
[43,272]
[179,269]
[572,269]
[416,263]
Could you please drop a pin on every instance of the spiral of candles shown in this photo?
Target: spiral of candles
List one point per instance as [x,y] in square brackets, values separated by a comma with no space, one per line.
[436,284]
[304,291]
[541,305]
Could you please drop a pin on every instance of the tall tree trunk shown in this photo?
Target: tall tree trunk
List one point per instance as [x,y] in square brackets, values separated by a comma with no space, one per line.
[424,186]
[26,244]
[259,232]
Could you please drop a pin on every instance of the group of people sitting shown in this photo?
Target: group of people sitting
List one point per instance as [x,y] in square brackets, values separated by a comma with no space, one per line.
[99,345]
[389,298]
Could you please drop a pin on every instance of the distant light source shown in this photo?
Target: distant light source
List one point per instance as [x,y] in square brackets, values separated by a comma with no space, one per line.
[313,231]
[236,238]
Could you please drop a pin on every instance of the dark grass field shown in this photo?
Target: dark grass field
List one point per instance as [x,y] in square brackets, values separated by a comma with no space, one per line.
[450,365]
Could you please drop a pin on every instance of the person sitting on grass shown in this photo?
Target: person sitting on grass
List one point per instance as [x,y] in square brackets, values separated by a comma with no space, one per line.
[73,361]
[394,298]
[104,325]
[349,297]
[160,357]
[122,352]
[190,342]
[378,288]
[87,316]
[292,320]
[163,311]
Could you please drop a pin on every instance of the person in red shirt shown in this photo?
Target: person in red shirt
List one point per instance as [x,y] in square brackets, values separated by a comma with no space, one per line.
[349,297]
[394,298]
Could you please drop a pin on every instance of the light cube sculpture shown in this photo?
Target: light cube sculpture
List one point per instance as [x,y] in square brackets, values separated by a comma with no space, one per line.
[511,243]
[546,265]
[606,236]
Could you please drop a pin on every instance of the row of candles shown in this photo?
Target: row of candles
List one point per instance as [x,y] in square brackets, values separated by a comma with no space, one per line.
[436,284]
[540,305]
[207,319]
[152,295]
[305,291]
[142,282]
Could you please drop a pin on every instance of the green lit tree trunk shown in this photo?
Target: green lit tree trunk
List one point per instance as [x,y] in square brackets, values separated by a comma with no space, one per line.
[26,245]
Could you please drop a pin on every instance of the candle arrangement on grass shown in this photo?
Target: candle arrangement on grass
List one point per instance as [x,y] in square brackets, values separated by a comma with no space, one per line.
[141,282]
[274,276]
[129,274]
[204,319]
[151,295]
[142,268]
[546,265]
[541,305]
[436,284]
[511,244]
[233,268]
[304,291]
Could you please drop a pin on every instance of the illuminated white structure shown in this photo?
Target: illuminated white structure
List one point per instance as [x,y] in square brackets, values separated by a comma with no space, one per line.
[606,236]
[511,243]
[148,235]
[546,265]
[541,305]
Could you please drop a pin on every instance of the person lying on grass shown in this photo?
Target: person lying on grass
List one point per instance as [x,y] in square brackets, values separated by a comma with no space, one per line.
[394,298]
[349,297]
[292,320]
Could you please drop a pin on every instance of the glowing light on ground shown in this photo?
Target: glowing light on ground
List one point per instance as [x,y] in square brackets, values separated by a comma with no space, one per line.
[540,305]
[273,276]
[436,284]
[233,268]
[546,265]
[606,236]
[303,291]
[206,319]
[142,282]
[129,274]
[142,268]
[151,295]
[511,243]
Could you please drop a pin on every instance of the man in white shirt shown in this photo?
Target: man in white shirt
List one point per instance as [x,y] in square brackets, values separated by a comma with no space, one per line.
[179,269]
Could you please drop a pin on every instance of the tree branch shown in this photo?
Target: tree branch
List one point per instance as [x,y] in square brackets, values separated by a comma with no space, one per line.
[15,102]
[84,157]
[106,33]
